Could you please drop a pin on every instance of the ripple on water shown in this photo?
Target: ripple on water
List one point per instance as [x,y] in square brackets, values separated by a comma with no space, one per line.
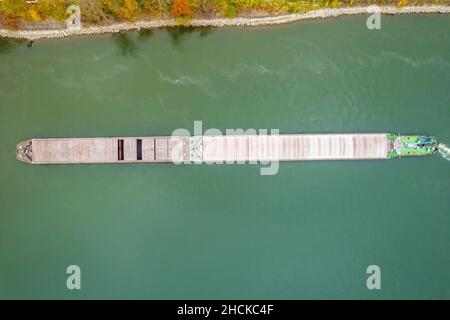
[415,63]
[200,81]
[444,150]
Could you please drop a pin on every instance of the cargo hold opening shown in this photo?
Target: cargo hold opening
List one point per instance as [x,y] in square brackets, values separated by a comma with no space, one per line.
[139,149]
[120,155]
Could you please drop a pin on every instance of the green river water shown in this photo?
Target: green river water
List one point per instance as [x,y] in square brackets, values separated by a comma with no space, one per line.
[215,231]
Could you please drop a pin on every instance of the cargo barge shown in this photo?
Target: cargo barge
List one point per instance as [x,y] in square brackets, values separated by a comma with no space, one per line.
[225,149]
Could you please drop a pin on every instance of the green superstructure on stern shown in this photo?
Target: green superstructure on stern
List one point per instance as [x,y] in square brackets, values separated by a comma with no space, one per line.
[411,145]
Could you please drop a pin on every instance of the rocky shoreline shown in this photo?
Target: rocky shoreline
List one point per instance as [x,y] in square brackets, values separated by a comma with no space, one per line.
[241,21]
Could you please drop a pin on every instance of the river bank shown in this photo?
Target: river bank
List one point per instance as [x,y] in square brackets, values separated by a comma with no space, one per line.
[221,22]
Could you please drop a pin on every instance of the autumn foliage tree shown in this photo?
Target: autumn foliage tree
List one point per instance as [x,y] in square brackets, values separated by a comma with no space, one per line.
[11,21]
[16,14]
[180,8]
[129,9]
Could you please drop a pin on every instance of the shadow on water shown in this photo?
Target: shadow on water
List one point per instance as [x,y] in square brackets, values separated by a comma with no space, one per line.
[178,33]
[6,45]
[145,34]
[205,31]
[125,44]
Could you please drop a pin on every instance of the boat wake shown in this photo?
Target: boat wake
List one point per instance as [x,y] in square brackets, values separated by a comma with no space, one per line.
[444,150]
